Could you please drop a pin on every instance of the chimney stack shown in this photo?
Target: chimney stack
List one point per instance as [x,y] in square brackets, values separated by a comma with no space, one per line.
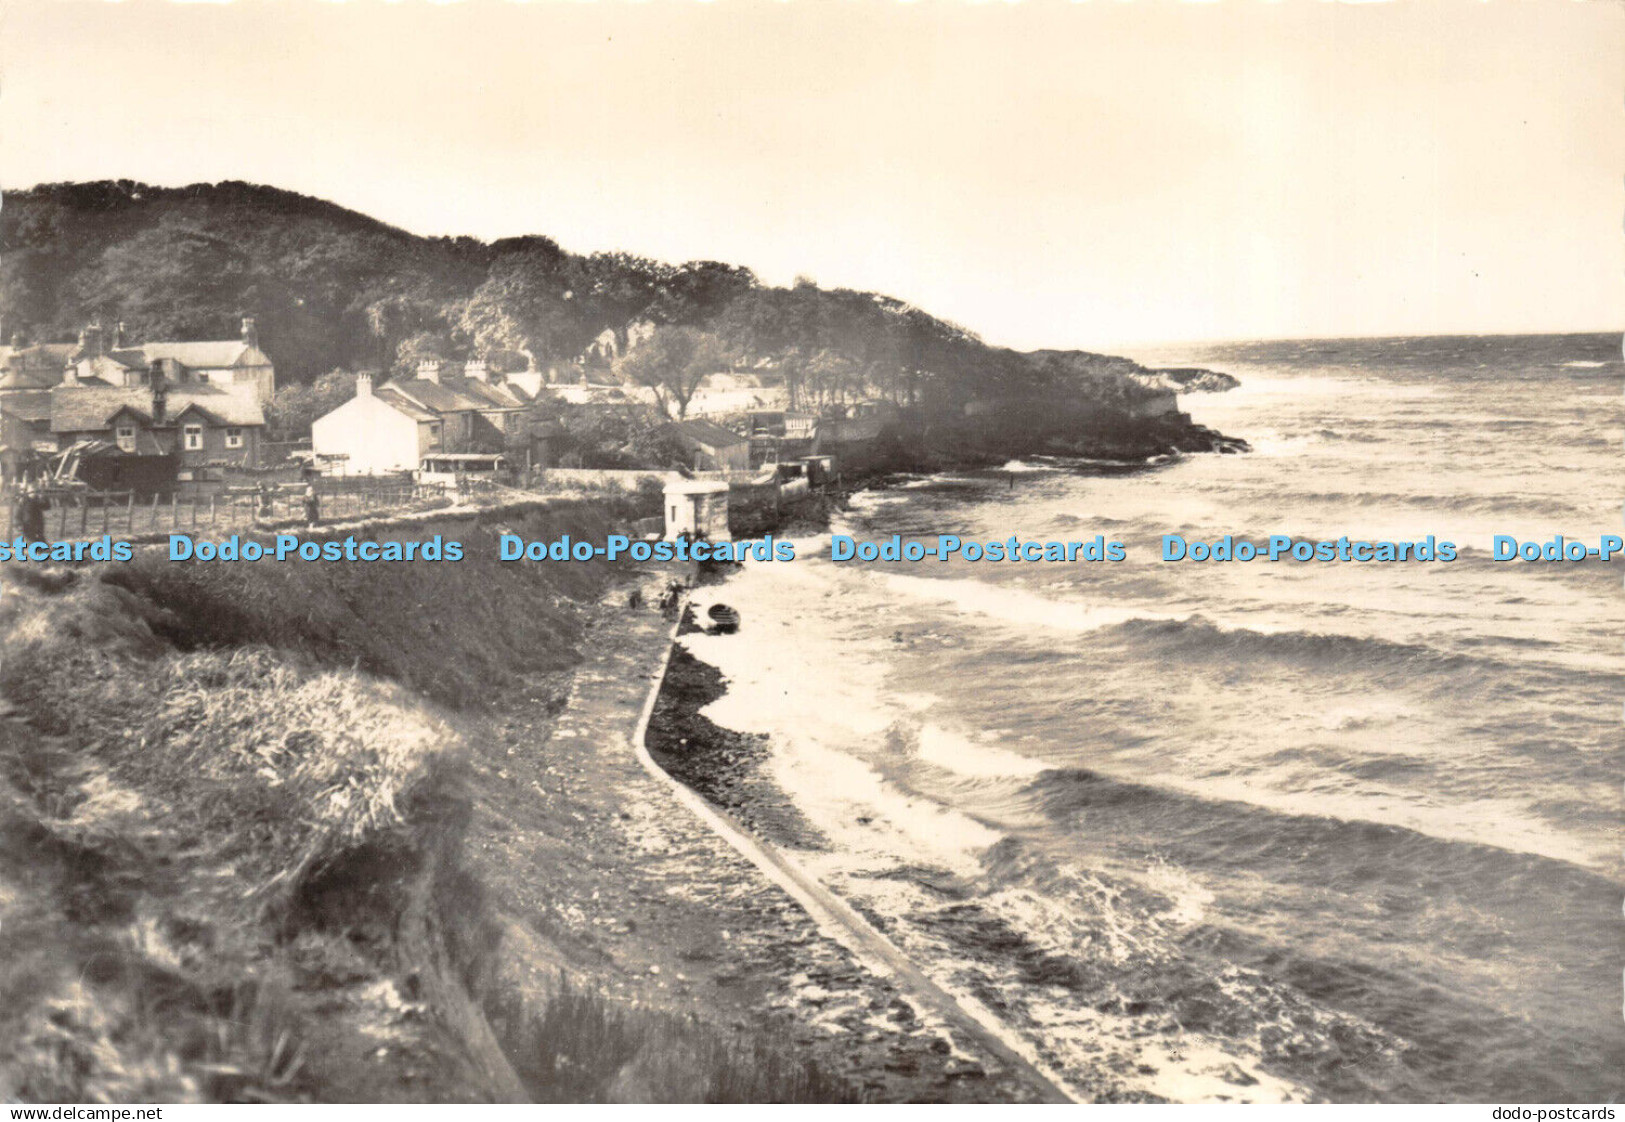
[251,334]
[160,391]
[119,342]
[363,385]
[476,369]
[429,370]
[70,375]
[91,342]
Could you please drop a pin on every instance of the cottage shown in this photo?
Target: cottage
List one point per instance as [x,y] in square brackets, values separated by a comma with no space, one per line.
[393,426]
[712,447]
[197,428]
[376,432]
[103,359]
[697,508]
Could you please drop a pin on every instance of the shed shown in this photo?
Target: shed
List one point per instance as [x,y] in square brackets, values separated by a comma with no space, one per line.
[697,508]
[713,447]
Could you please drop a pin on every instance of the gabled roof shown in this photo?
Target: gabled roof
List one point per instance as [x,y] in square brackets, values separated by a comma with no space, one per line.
[391,397]
[705,432]
[92,408]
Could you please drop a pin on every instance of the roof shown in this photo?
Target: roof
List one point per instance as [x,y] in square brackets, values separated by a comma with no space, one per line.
[495,396]
[438,397]
[696,486]
[50,357]
[92,408]
[215,353]
[705,432]
[465,457]
[28,405]
[28,380]
[391,397]
[573,393]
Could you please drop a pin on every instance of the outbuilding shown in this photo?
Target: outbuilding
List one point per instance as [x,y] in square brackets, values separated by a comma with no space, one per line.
[697,508]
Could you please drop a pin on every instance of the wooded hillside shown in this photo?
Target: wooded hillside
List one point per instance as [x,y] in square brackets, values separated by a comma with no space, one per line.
[331,288]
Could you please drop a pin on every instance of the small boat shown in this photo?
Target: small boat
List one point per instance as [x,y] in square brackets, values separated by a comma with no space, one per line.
[724,620]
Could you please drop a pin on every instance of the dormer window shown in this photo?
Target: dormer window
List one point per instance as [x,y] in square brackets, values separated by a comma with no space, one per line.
[194,438]
[125,435]
[234,438]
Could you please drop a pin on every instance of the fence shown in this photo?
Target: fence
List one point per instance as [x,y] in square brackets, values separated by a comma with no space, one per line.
[77,513]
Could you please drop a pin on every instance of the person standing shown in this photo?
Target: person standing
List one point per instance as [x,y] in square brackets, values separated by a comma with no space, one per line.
[28,515]
[313,504]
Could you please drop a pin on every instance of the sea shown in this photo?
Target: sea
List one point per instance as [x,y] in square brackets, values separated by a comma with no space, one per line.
[1224,831]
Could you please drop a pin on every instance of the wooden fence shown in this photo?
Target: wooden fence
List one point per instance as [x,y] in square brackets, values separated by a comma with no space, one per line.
[74,514]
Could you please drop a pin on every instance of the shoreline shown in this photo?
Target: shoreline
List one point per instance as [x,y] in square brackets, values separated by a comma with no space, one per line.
[973,1025]
[630,891]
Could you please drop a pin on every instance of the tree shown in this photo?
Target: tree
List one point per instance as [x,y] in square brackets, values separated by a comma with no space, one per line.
[527,304]
[698,291]
[295,407]
[673,362]
[174,281]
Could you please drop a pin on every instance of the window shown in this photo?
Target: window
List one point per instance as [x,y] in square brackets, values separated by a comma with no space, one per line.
[434,434]
[194,437]
[125,434]
[234,438]
[202,377]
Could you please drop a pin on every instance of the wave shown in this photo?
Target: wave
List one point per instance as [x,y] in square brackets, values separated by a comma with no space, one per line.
[1014,606]
[1190,636]
[1332,853]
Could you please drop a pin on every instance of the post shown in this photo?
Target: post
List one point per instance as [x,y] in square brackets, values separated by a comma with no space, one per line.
[84,512]
[153,528]
[174,510]
[107,512]
[62,517]
[129,514]
[212,512]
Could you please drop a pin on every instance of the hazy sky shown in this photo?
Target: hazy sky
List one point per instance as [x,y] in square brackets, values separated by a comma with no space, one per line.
[1047,173]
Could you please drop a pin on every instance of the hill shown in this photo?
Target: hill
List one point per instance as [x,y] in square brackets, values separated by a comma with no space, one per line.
[332,288]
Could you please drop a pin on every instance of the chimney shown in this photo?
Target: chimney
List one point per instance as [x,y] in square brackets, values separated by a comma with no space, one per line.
[429,370]
[251,334]
[363,385]
[70,375]
[119,342]
[475,369]
[90,341]
[160,392]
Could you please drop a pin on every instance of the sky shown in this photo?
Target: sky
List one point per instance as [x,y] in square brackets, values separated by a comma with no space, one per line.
[1046,173]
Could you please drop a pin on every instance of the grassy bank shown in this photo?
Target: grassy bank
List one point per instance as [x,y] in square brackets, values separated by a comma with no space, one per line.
[233,808]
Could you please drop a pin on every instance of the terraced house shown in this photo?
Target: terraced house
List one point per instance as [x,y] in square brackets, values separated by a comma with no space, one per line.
[393,426]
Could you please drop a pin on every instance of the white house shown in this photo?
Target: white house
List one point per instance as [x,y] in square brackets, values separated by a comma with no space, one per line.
[375,432]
